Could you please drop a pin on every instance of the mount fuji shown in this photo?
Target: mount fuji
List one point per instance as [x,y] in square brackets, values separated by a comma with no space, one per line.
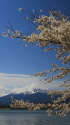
[31,89]
[36,93]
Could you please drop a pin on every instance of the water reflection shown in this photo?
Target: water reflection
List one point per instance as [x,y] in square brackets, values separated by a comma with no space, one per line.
[24,117]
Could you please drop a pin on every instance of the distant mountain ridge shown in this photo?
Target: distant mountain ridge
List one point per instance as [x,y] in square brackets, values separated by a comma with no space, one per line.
[4,91]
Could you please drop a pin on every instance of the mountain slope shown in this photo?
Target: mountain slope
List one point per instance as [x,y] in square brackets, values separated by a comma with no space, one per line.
[33,93]
[34,98]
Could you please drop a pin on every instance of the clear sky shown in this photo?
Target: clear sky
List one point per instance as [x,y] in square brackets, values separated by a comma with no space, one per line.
[15,58]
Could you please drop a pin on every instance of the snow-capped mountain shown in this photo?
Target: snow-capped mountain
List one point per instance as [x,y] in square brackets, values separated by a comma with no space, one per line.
[30,89]
[36,93]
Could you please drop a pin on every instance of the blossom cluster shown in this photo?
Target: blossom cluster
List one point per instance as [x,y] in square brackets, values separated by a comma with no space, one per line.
[21,104]
[61,109]
[52,33]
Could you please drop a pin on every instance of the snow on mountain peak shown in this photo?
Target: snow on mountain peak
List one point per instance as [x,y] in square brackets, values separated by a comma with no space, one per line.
[33,88]
[30,89]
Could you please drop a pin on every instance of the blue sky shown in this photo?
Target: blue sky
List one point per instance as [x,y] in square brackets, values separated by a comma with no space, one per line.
[15,58]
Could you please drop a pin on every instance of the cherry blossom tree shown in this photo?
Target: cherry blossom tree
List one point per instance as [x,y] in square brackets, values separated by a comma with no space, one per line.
[52,33]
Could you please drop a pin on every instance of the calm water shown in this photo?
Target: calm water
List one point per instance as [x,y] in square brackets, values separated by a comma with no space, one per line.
[25,117]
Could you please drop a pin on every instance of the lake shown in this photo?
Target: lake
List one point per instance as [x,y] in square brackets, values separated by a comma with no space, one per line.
[25,117]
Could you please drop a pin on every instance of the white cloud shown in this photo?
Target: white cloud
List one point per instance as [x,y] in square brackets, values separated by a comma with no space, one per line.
[21,80]
[16,80]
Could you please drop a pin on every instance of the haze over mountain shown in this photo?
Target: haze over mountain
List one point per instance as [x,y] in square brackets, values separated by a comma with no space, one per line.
[30,89]
[4,91]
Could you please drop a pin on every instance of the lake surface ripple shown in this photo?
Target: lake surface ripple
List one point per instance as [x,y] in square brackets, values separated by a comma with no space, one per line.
[25,117]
